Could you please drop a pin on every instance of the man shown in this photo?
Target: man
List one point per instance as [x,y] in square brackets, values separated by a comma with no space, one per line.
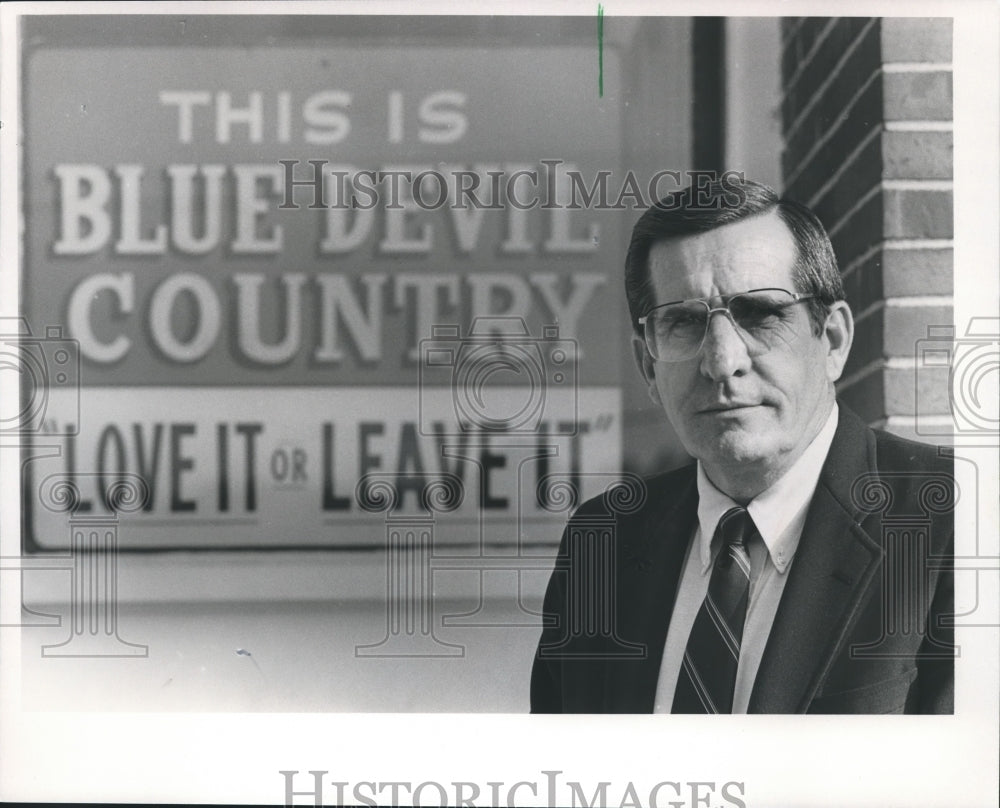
[802,563]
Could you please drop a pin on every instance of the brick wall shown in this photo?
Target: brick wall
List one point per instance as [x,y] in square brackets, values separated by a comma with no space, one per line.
[866,116]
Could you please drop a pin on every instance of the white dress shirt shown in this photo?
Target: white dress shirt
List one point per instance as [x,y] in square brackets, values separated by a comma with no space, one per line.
[779,514]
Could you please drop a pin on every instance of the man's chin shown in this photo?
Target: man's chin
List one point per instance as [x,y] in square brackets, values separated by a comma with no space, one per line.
[734,443]
[745,452]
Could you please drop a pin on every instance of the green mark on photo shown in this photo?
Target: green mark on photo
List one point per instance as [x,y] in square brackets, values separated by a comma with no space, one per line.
[600,50]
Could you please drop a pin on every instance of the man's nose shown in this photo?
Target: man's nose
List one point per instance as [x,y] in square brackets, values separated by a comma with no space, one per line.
[723,353]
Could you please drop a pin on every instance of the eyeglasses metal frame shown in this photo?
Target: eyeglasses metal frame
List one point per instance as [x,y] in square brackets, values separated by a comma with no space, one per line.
[796,297]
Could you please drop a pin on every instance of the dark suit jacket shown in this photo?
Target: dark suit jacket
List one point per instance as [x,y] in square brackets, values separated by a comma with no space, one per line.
[863,625]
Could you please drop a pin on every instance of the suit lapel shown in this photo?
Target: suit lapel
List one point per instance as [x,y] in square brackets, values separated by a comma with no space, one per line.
[833,567]
[652,554]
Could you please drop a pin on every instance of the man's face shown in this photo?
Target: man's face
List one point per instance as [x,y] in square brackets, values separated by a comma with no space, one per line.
[747,418]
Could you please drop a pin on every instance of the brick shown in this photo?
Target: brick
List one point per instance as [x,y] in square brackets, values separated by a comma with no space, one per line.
[857,180]
[905,386]
[918,96]
[906,392]
[831,109]
[918,272]
[869,340]
[891,332]
[855,71]
[864,285]
[810,30]
[819,65]
[792,54]
[860,233]
[918,213]
[917,155]
[906,326]
[916,39]
[905,428]
[850,130]
[820,69]
[789,25]
[866,396]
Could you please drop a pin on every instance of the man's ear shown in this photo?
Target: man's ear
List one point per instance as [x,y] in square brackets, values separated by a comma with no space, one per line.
[839,334]
[647,367]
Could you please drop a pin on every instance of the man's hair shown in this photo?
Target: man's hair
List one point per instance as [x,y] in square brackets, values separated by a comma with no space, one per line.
[707,206]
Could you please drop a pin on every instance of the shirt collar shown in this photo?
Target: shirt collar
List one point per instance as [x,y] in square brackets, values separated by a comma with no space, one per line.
[779,512]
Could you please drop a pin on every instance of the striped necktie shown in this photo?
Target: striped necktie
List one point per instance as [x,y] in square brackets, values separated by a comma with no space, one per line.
[708,674]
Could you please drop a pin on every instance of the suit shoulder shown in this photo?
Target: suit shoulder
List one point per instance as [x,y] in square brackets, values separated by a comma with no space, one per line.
[897,454]
[921,476]
[632,493]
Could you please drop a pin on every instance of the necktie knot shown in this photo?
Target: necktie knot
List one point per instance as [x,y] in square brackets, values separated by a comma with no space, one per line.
[735,529]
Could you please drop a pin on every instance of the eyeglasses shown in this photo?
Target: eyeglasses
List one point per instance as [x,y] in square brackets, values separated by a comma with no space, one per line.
[676,331]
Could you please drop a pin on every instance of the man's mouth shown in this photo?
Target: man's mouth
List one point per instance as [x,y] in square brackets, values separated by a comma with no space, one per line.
[731,406]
